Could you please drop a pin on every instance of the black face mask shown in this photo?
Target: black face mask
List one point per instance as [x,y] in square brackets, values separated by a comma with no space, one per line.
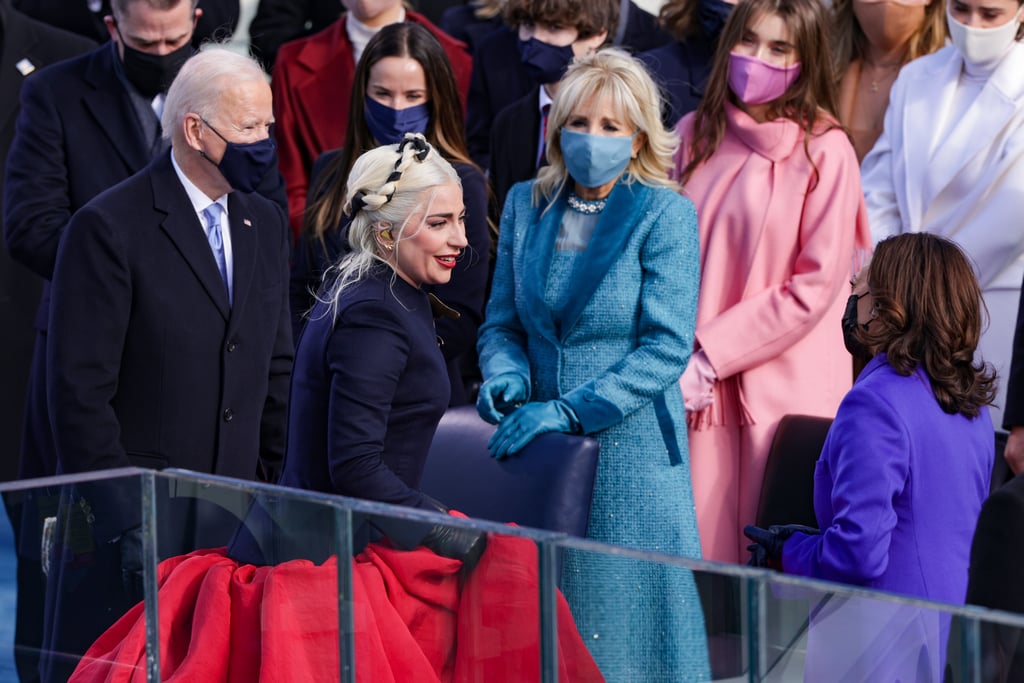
[853,345]
[152,74]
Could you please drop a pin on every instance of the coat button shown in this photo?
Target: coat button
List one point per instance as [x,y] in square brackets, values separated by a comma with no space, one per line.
[229,415]
[232,345]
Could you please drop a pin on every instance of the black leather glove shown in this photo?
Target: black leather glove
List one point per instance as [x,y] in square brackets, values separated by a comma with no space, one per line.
[459,544]
[131,564]
[766,549]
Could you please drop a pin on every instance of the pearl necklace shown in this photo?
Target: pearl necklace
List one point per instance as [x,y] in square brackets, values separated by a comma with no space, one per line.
[586,206]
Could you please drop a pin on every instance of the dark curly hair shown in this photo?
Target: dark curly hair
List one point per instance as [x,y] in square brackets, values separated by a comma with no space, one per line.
[928,312]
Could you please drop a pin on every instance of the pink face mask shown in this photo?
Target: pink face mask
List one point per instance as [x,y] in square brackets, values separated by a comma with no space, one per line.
[755,81]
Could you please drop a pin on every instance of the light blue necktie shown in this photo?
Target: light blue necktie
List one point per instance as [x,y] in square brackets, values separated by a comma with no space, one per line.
[212,213]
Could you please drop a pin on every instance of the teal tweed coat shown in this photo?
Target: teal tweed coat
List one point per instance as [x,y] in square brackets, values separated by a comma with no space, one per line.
[615,354]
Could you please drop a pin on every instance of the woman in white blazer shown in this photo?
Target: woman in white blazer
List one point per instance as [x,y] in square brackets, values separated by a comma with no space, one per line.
[951,159]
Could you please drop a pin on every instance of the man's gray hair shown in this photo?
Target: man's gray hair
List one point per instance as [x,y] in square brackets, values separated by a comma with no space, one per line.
[201,81]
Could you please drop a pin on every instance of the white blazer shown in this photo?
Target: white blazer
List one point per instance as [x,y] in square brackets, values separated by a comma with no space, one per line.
[976,168]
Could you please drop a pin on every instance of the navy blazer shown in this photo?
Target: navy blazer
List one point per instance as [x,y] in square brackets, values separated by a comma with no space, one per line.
[461,23]
[464,293]
[682,70]
[148,363]
[368,390]
[515,136]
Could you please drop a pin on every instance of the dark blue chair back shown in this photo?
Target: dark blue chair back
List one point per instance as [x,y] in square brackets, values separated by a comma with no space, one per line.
[547,485]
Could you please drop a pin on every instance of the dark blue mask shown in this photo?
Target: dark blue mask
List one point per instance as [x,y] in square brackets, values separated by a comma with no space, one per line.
[244,164]
[712,15]
[545,63]
[389,126]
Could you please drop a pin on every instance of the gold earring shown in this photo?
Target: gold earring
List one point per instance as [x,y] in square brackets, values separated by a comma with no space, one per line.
[386,234]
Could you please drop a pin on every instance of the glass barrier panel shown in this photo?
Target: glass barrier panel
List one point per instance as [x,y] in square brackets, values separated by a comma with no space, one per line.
[69,537]
[104,572]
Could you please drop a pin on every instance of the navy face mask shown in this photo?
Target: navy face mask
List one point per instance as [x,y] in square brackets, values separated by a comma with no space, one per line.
[545,63]
[389,126]
[712,15]
[244,164]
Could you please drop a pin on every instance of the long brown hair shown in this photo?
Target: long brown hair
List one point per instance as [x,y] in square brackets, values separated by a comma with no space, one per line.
[444,132]
[928,312]
[810,101]
[849,42]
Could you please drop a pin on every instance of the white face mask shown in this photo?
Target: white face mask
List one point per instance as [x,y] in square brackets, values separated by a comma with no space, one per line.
[982,46]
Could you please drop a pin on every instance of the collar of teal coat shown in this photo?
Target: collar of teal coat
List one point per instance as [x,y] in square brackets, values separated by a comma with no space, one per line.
[620,216]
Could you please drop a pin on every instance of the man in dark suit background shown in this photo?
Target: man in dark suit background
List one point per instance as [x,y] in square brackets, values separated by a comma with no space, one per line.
[170,341]
[507,68]
[85,125]
[86,17]
[26,46]
[553,36]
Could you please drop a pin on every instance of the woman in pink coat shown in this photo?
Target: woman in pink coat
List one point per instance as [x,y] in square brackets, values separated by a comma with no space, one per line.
[782,227]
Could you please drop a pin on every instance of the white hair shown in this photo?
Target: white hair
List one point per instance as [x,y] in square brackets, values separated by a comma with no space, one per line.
[198,86]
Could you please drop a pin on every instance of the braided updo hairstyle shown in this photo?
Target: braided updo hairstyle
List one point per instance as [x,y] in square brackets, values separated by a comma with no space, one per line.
[386,187]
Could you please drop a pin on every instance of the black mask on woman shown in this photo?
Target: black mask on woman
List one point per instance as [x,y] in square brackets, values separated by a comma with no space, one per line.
[853,345]
[153,74]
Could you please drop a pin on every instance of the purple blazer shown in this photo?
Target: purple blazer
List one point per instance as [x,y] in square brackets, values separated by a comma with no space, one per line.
[897,490]
[897,493]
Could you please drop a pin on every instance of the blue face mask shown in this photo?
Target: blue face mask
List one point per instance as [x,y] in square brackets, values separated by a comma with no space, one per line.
[595,160]
[389,126]
[245,164]
[712,15]
[545,63]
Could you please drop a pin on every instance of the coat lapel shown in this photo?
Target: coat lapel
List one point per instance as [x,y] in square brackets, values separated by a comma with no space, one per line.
[613,230]
[920,139]
[115,115]
[322,103]
[984,119]
[183,227]
[537,246]
[243,248]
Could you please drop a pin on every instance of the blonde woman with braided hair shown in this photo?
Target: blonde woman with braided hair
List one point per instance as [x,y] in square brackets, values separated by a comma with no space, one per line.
[368,389]
[361,422]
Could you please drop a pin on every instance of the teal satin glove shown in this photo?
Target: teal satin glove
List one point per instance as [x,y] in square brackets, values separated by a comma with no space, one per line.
[526,423]
[501,395]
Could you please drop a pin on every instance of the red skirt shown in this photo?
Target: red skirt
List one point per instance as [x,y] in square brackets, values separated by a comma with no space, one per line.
[221,621]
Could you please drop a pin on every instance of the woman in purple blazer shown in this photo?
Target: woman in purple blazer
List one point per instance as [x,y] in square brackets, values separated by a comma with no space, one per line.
[905,468]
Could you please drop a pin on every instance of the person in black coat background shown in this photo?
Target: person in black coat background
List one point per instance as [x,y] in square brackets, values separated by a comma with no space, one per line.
[87,18]
[532,49]
[997,556]
[682,67]
[86,124]
[26,46]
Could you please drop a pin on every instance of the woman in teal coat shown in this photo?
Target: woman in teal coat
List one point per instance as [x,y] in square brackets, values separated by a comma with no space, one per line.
[589,324]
